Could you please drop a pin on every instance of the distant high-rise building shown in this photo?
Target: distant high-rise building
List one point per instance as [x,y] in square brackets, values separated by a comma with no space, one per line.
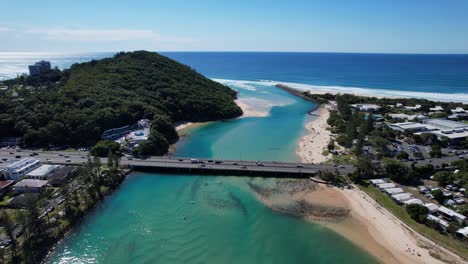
[39,68]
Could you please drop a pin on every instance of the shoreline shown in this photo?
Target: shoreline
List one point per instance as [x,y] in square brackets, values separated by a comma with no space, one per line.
[371,225]
[354,216]
[311,146]
[300,93]
[368,225]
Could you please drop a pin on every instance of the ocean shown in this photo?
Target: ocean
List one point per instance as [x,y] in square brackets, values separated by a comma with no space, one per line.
[436,77]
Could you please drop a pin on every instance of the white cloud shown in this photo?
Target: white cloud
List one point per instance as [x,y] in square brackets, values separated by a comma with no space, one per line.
[97,35]
[5,29]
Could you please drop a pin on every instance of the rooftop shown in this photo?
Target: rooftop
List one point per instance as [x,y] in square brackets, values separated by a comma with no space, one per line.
[43,170]
[450,212]
[4,184]
[448,124]
[21,163]
[31,183]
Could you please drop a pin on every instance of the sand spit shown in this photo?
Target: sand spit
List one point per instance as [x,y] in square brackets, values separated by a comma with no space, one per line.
[354,215]
[312,145]
[250,111]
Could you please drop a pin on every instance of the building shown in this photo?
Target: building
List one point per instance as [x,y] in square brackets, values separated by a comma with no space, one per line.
[393,191]
[462,232]
[401,197]
[445,124]
[413,127]
[413,201]
[407,117]
[416,107]
[442,128]
[377,181]
[452,215]
[384,186]
[29,185]
[17,170]
[432,207]
[454,131]
[458,110]
[436,108]
[115,133]
[58,177]
[366,107]
[458,116]
[39,67]
[441,222]
[4,186]
[43,172]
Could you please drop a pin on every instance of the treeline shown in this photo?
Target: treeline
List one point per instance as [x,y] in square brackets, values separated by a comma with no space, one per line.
[39,232]
[355,99]
[75,106]
[352,127]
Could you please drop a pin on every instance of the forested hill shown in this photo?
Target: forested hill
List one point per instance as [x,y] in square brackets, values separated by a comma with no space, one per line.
[73,107]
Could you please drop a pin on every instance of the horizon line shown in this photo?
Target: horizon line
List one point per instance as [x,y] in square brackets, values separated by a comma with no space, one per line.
[234,51]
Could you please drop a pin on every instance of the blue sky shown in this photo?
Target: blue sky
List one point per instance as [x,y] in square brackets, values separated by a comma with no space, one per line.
[397,26]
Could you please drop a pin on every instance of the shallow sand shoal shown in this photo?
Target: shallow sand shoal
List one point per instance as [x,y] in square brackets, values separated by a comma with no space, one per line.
[249,111]
[355,216]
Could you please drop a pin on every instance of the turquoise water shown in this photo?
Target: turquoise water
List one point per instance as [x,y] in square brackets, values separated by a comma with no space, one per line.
[158,218]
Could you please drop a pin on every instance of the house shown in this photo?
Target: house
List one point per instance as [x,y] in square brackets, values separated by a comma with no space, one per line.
[441,222]
[413,201]
[39,68]
[5,185]
[407,117]
[462,232]
[43,172]
[416,107]
[452,215]
[384,186]
[436,108]
[29,185]
[392,191]
[401,197]
[366,107]
[458,110]
[375,182]
[17,170]
[58,177]
[432,207]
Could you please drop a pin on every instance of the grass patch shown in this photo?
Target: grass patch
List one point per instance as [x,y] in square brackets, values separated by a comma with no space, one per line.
[325,152]
[341,159]
[5,200]
[447,241]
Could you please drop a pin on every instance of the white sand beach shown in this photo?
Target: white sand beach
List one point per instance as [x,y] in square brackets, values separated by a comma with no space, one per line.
[374,228]
[312,145]
[357,217]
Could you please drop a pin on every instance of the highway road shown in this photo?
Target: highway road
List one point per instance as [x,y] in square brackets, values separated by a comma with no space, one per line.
[78,158]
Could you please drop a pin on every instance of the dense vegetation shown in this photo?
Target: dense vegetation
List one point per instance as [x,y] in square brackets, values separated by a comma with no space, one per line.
[73,107]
